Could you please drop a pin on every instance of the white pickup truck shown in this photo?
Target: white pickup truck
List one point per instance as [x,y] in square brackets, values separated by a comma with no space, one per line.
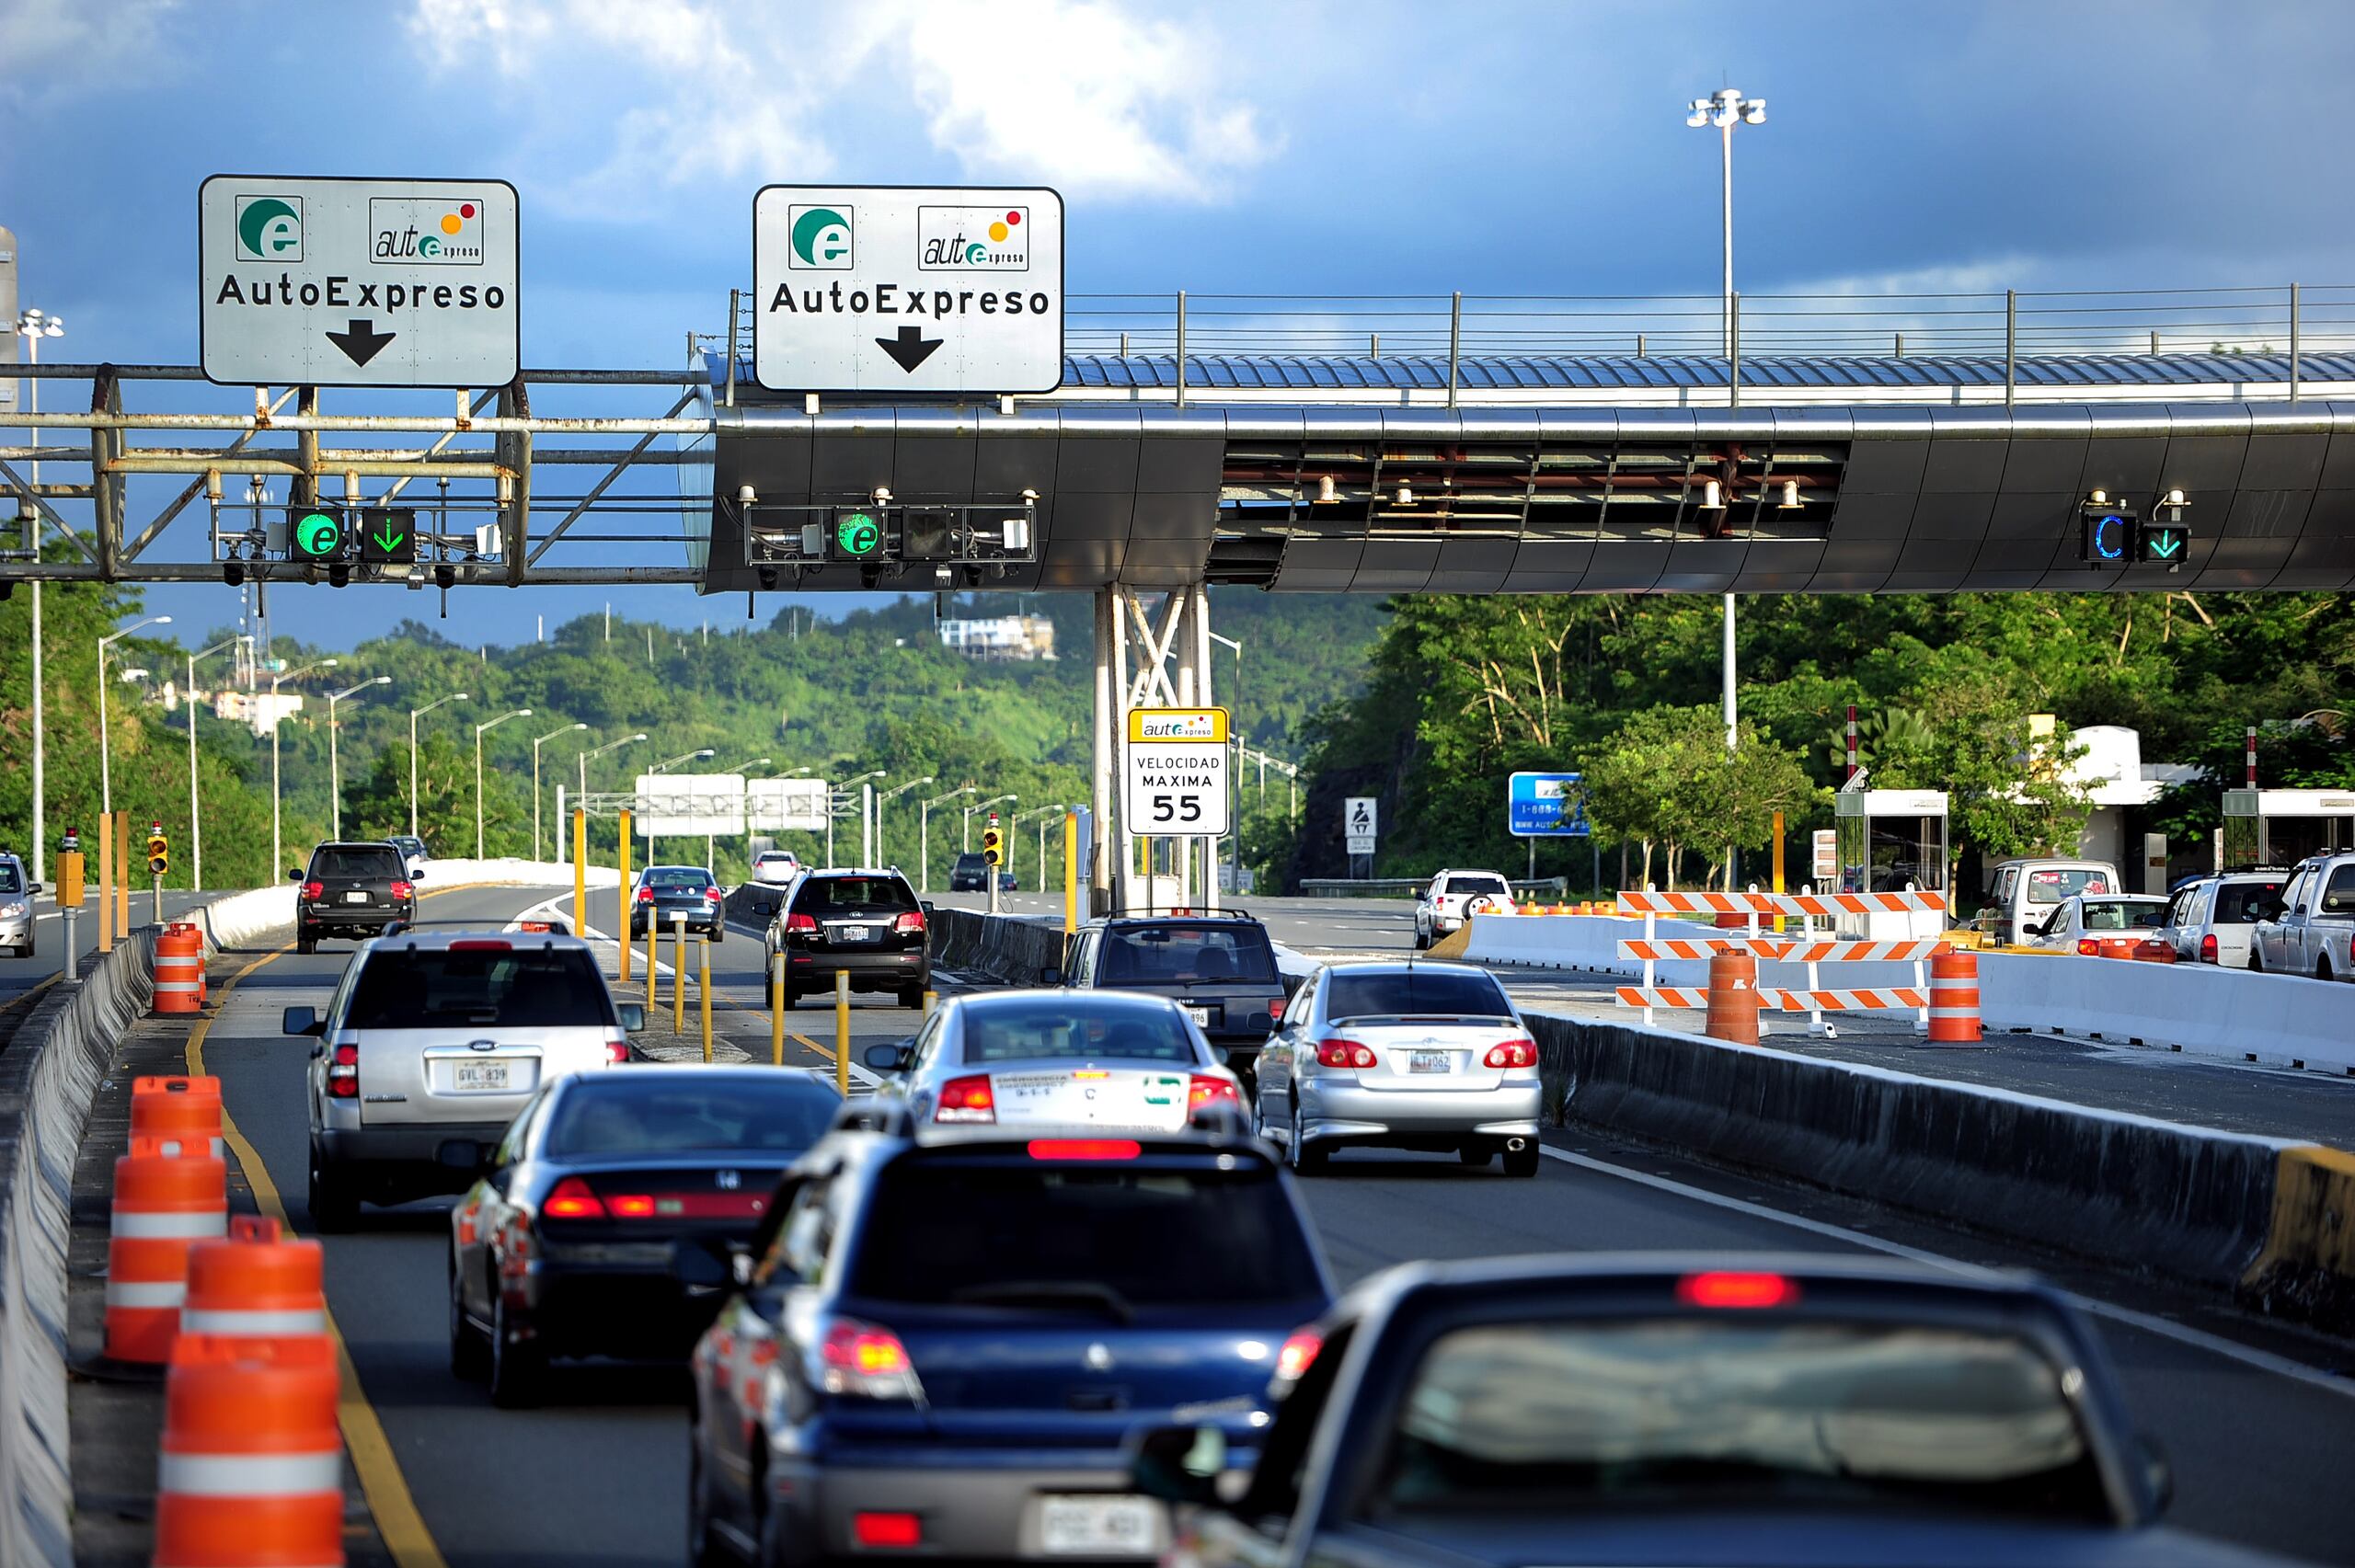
[2310,929]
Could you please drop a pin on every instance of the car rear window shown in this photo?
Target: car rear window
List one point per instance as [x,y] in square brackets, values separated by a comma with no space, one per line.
[1419,991]
[360,863]
[2053,887]
[1555,1417]
[2117,914]
[1152,955]
[1017,1033]
[970,861]
[822,896]
[2338,898]
[613,1114]
[1475,884]
[941,1231]
[678,876]
[450,988]
[2235,901]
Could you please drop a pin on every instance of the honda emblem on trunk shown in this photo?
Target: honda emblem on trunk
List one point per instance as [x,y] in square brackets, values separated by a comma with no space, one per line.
[729,1181]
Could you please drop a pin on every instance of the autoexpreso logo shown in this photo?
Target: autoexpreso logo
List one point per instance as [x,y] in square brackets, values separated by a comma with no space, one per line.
[973,239]
[269,228]
[821,238]
[432,231]
[1145,724]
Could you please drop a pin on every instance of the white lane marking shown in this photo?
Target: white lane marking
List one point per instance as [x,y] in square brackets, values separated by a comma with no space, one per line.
[2197,1339]
[560,908]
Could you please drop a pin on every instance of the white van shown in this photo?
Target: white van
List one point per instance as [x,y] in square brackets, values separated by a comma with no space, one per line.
[2024,894]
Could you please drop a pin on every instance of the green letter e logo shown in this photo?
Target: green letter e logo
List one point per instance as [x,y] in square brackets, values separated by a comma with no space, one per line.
[822,238]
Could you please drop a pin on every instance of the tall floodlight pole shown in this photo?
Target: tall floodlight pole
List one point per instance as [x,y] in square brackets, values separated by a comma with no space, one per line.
[551,735]
[844,785]
[924,834]
[710,840]
[276,850]
[480,731]
[414,714]
[583,758]
[883,855]
[335,760]
[1727,110]
[106,762]
[195,821]
[33,326]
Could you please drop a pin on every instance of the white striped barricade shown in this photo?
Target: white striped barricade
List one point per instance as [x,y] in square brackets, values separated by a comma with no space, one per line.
[1807,946]
[1649,997]
[250,1469]
[255,1284]
[1876,998]
[164,1204]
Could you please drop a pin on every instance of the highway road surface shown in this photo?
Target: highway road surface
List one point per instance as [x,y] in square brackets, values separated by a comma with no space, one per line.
[2255,1419]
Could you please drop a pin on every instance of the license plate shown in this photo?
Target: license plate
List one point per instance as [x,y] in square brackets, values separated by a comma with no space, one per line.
[481,1077]
[1201,1015]
[1104,1527]
[1429,1061]
[854,932]
[357,895]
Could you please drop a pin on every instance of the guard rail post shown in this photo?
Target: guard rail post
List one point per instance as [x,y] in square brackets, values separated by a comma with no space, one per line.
[2011,344]
[777,1009]
[702,990]
[2295,319]
[841,1031]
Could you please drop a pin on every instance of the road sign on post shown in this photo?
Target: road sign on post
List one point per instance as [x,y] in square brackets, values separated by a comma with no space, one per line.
[1176,779]
[1546,805]
[907,289]
[1361,821]
[358,283]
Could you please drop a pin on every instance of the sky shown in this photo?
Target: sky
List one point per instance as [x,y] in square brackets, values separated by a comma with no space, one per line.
[1286,147]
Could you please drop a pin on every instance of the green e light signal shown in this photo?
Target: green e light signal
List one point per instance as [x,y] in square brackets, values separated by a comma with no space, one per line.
[318,536]
[856,534]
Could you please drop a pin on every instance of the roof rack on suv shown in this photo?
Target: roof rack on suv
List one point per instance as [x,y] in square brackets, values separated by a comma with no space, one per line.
[1227,912]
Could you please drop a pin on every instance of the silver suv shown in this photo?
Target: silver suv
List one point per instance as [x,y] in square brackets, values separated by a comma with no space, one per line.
[2211,920]
[432,1044]
[2309,928]
[15,908]
[1454,897]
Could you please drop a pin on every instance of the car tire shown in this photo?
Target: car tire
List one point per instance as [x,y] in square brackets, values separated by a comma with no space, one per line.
[716,934]
[518,1371]
[911,996]
[1422,940]
[2255,964]
[1477,1155]
[1522,1161]
[334,1208]
[1305,1157]
[469,1357]
[306,944]
[703,1549]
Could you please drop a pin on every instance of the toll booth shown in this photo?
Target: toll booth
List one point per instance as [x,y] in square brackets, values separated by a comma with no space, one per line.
[2282,826]
[1890,840]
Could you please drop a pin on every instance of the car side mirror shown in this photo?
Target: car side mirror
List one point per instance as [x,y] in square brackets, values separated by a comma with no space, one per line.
[928,908]
[633,1016]
[302,1021]
[294,874]
[1050,976]
[890,1055]
[1177,1464]
[418,876]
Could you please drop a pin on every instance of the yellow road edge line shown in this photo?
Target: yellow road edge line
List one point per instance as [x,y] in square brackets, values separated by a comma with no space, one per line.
[390,1502]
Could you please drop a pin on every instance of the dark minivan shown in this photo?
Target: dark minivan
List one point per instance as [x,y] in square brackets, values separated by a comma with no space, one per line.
[352,889]
[1220,967]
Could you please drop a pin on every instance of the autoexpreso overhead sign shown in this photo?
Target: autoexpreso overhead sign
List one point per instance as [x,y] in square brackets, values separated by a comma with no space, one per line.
[358,283]
[896,289]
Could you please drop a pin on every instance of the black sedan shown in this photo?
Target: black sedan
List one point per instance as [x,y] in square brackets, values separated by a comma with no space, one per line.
[608,1219]
[666,894]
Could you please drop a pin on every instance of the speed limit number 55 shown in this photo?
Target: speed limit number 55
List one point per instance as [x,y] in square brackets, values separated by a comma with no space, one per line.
[1177,771]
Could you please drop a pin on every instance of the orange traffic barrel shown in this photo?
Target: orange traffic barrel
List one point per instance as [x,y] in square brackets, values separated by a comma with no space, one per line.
[1954,997]
[1733,998]
[250,1471]
[182,1113]
[164,1204]
[255,1284]
[179,969]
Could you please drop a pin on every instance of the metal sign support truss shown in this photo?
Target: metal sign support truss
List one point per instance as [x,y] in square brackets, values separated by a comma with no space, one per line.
[486,459]
[1160,658]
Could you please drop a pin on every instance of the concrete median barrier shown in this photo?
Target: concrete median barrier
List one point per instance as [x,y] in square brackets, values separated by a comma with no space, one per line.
[1013,949]
[2200,1009]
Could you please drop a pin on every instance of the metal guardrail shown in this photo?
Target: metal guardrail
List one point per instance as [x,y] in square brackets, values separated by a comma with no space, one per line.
[1396,887]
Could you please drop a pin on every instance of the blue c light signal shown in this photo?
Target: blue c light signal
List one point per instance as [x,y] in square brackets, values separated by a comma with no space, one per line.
[2109,536]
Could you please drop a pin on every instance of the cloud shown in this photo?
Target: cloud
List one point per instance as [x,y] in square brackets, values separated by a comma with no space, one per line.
[63,45]
[1080,94]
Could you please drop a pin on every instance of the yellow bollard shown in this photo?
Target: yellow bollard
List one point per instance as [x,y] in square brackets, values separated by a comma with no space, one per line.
[653,982]
[1071,872]
[579,871]
[122,874]
[931,1000]
[777,1009]
[702,990]
[678,974]
[841,1033]
[623,916]
[106,886]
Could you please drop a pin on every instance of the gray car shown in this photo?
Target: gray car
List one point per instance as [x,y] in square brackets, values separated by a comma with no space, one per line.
[1430,1057]
[15,908]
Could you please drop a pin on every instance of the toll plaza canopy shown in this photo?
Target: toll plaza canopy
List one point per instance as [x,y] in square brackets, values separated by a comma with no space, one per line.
[1562,473]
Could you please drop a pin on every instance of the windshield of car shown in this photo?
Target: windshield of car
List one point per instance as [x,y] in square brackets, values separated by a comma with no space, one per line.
[1459,886]
[970,861]
[825,896]
[676,877]
[11,879]
[409,846]
[613,1114]
[1009,1032]
[1173,953]
[2052,887]
[939,1231]
[2236,901]
[454,986]
[377,863]
[1451,993]
[775,857]
[2123,914]
[1554,1417]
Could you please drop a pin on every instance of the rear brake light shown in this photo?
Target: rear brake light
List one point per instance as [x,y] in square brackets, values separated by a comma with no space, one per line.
[1343,1053]
[1084,1149]
[1298,1353]
[573,1199]
[631,1206]
[967,1100]
[343,1072]
[617,1049]
[801,922]
[315,890]
[1737,1290]
[1276,1011]
[1204,1089]
[646,895]
[2208,948]
[911,920]
[713,894]
[1512,1053]
[404,891]
[854,1357]
[481,944]
[887,1530]
[2087,946]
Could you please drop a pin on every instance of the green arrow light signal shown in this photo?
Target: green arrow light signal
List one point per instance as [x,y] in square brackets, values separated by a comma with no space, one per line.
[387,538]
[2164,545]
[318,534]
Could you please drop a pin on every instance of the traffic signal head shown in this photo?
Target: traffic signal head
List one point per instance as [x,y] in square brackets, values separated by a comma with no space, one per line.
[318,534]
[992,844]
[159,850]
[2162,542]
[2106,534]
[857,535]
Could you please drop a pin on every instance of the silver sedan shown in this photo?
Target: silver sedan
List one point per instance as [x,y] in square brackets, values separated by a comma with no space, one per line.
[1108,1060]
[1430,1056]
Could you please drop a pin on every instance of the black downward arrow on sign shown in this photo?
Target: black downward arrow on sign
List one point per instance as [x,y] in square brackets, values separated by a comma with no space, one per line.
[359,340]
[910,348]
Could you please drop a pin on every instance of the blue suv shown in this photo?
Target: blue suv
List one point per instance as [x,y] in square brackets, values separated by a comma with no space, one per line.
[944,1337]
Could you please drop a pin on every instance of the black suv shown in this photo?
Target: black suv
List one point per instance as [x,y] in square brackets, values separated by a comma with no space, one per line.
[1221,967]
[970,875]
[352,889]
[867,925]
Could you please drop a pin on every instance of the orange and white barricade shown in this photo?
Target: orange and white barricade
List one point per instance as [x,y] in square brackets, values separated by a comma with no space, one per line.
[255,1285]
[1954,999]
[164,1204]
[179,969]
[250,1471]
[181,1114]
[1806,946]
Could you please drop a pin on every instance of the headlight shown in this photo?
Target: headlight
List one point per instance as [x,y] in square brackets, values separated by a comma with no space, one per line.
[11,911]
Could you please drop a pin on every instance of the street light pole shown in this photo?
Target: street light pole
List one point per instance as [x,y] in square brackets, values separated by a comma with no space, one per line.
[710,843]
[881,853]
[334,761]
[106,759]
[583,759]
[195,821]
[276,849]
[924,834]
[658,767]
[479,730]
[551,735]
[33,326]
[414,714]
